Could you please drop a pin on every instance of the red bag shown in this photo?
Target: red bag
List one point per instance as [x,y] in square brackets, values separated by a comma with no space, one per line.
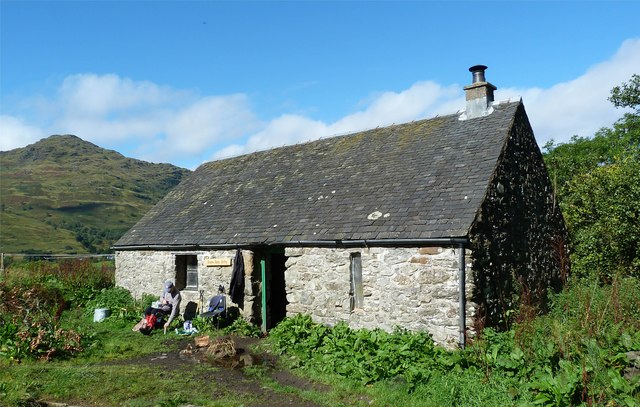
[151,320]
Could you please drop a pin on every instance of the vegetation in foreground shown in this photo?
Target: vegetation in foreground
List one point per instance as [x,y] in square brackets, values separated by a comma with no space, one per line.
[578,354]
[585,351]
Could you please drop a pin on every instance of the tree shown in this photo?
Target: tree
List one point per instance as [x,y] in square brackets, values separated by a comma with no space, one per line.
[602,209]
[597,182]
[627,94]
[582,155]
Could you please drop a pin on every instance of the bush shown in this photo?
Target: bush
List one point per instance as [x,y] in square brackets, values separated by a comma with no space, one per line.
[146,301]
[80,280]
[29,324]
[241,327]
[574,355]
[116,299]
[364,355]
[34,295]
[602,209]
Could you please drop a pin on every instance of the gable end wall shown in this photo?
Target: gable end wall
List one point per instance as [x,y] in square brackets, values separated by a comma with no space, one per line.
[519,239]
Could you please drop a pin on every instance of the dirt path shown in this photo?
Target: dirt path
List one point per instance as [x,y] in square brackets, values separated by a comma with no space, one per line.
[230,356]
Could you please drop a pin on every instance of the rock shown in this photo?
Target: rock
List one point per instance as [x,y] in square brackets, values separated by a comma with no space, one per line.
[633,370]
[246,360]
[221,348]
[202,341]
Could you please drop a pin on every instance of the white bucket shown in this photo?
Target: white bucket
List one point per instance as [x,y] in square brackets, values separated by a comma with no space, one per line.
[100,313]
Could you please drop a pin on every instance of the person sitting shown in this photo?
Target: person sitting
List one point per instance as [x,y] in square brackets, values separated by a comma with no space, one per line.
[169,304]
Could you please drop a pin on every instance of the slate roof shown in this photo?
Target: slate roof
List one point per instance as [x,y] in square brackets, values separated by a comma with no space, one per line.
[420,180]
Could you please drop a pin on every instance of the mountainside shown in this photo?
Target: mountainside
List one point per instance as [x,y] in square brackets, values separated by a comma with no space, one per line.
[66,195]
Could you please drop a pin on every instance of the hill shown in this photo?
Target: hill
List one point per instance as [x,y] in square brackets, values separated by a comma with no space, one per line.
[66,195]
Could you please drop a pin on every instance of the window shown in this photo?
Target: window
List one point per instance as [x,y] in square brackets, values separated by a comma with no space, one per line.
[356,293]
[187,272]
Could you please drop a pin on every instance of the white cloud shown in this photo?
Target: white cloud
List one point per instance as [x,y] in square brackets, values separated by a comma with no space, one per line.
[284,130]
[91,95]
[161,124]
[137,118]
[209,121]
[421,100]
[15,133]
[580,106]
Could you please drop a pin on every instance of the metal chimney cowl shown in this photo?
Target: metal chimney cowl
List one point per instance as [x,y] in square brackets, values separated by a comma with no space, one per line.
[479,95]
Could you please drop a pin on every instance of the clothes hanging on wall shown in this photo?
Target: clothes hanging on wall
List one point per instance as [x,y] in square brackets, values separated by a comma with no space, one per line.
[236,288]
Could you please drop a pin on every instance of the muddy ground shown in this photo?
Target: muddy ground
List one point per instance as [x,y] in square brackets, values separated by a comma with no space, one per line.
[230,355]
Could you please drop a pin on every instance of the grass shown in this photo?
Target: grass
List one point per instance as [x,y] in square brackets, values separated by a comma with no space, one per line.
[572,356]
[112,339]
[111,372]
[104,385]
[107,374]
[19,230]
[103,375]
[575,355]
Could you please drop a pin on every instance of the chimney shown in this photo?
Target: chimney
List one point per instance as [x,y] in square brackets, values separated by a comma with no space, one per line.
[479,94]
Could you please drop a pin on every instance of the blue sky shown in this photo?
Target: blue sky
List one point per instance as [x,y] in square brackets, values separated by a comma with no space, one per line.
[188,82]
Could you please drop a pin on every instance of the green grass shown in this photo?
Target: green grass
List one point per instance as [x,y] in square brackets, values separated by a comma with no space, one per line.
[112,339]
[448,389]
[103,375]
[116,365]
[574,355]
[110,373]
[105,385]
[19,232]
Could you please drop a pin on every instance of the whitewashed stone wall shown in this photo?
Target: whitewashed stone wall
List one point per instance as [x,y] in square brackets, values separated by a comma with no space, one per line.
[144,272]
[415,288]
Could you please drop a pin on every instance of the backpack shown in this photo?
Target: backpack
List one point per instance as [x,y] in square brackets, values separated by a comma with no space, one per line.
[151,321]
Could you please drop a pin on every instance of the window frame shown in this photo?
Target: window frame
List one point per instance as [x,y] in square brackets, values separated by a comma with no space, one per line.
[356,291]
[186,269]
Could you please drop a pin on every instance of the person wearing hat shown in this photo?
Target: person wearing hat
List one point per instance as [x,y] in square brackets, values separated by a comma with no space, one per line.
[169,303]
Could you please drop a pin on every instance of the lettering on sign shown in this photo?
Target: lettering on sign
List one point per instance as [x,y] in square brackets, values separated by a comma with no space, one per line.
[218,262]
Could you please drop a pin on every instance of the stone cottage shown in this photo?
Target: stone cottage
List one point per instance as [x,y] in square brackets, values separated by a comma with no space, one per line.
[441,225]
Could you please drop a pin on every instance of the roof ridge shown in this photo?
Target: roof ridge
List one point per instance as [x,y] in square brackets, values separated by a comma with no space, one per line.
[426,177]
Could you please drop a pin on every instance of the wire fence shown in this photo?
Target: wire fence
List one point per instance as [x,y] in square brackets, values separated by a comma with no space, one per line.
[10,257]
[56,256]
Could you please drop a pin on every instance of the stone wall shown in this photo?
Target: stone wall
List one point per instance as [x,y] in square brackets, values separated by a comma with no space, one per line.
[144,272]
[415,288]
[519,239]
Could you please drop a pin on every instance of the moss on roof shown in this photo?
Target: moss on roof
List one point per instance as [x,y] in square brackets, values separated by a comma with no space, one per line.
[418,180]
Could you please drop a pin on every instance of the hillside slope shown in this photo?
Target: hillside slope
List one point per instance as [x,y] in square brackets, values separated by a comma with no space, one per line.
[66,195]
